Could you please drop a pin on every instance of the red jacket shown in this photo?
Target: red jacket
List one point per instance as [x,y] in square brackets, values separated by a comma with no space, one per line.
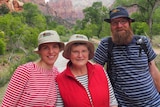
[74,94]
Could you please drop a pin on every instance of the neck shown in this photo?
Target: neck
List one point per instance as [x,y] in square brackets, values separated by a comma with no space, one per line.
[44,65]
[78,71]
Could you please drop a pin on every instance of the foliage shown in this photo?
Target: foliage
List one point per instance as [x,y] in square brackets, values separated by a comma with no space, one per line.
[4,9]
[33,16]
[140,28]
[29,38]
[2,43]
[22,28]
[91,25]
[50,22]
[105,30]
[61,30]
[2,49]
[156,20]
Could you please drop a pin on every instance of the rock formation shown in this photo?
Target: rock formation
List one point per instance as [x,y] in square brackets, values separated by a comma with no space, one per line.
[13,5]
[69,10]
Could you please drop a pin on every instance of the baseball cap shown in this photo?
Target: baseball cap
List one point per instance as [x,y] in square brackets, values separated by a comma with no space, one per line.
[118,12]
[47,37]
[78,38]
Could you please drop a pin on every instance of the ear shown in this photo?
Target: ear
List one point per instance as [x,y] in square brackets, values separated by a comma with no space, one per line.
[37,52]
[130,21]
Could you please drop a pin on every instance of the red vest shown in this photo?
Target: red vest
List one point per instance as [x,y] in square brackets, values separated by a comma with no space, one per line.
[74,94]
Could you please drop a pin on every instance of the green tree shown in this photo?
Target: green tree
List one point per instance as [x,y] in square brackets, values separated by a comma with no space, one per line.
[4,9]
[13,28]
[33,16]
[140,28]
[19,34]
[93,16]
[61,30]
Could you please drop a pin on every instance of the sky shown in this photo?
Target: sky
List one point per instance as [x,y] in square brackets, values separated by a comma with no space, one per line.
[46,1]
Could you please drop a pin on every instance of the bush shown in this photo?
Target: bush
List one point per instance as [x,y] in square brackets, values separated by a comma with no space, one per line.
[3,48]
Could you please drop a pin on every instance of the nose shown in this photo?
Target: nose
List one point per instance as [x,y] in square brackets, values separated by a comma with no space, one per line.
[80,54]
[119,24]
[51,50]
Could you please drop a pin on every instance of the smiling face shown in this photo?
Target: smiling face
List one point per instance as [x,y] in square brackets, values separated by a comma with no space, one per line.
[79,55]
[48,53]
[121,31]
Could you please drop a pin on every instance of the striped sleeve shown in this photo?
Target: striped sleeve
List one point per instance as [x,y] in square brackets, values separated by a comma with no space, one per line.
[101,53]
[150,51]
[112,97]
[15,87]
[59,101]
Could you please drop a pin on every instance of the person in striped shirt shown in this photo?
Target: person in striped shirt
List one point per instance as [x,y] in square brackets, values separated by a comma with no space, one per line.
[133,74]
[33,84]
[83,83]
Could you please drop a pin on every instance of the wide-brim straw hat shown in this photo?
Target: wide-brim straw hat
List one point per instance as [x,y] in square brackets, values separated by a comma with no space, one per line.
[49,36]
[78,38]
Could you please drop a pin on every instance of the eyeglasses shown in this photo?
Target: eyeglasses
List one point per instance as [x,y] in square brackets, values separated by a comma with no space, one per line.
[121,21]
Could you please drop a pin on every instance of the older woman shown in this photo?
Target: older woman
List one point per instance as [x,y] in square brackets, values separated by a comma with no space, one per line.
[33,83]
[82,83]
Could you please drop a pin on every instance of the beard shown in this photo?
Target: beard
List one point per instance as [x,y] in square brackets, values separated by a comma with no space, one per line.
[122,37]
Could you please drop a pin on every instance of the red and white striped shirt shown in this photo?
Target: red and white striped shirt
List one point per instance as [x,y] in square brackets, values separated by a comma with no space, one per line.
[31,86]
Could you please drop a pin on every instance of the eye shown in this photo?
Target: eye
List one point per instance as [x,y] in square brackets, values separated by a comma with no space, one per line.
[114,23]
[55,46]
[75,52]
[123,21]
[44,47]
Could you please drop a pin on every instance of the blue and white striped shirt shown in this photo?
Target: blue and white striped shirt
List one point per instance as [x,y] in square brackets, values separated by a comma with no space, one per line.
[130,76]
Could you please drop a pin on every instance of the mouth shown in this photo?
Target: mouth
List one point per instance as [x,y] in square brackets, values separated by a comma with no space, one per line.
[51,57]
[120,30]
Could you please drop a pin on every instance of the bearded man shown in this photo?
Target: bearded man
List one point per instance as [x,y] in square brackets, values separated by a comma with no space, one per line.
[133,74]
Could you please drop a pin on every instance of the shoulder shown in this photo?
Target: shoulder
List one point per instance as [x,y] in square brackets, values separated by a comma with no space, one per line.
[27,67]
[142,37]
[104,43]
[61,74]
[105,40]
[98,69]
[97,66]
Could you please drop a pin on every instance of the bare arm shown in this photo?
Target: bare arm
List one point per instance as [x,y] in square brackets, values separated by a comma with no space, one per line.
[155,74]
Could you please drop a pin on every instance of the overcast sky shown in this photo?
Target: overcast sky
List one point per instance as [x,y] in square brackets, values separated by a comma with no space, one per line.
[46,1]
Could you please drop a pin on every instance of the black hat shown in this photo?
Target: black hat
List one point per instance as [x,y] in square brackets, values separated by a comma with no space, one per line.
[118,12]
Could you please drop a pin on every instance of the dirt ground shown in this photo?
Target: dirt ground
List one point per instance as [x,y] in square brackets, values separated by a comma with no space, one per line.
[157,51]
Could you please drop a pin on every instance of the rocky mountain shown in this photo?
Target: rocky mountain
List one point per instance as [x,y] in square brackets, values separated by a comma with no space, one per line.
[13,5]
[69,10]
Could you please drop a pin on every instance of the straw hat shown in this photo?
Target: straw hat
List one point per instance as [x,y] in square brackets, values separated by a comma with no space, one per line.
[49,36]
[78,38]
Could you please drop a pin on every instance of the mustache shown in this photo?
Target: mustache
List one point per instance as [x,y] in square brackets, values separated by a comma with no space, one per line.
[120,29]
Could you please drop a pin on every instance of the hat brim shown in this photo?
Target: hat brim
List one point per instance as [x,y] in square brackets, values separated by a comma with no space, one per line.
[67,49]
[109,20]
[61,44]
